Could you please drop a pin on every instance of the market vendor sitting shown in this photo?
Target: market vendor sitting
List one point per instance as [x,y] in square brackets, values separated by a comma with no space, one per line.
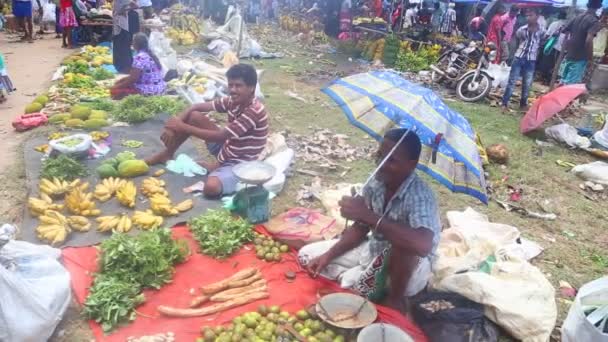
[243,139]
[145,77]
[400,211]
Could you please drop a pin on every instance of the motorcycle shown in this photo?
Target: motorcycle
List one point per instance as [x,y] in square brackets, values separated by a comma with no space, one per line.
[453,67]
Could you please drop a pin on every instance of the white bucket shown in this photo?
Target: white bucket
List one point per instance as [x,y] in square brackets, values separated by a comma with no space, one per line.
[373,333]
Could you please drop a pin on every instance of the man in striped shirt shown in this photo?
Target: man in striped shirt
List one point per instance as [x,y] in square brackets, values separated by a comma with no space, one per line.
[243,138]
[529,38]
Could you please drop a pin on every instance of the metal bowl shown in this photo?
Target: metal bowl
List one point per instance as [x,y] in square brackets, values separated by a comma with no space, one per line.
[340,310]
[254,172]
[381,332]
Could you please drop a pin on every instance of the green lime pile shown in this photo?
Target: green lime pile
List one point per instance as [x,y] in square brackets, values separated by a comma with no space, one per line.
[266,248]
[268,324]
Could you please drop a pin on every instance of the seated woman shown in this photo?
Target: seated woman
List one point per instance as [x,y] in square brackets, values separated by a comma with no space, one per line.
[145,77]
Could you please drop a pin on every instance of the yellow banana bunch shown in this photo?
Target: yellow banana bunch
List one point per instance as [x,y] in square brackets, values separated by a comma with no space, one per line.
[57,135]
[151,186]
[161,205]
[124,224]
[147,220]
[106,189]
[99,135]
[185,205]
[126,194]
[107,223]
[56,187]
[53,227]
[38,206]
[80,202]
[159,173]
[79,223]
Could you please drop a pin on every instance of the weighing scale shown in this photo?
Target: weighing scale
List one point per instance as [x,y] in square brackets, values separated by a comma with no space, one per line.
[252,202]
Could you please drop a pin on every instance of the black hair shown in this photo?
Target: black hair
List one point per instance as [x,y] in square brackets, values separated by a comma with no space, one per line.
[140,42]
[479,11]
[411,142]
[437,5]
[244,72]
[594,4]
[533,10]
[562,15]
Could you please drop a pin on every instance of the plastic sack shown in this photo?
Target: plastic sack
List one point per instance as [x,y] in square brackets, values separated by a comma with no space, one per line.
[82,147]
[568,135]
[184,66]
[601,136]
[577,327]
[464,322]
[35,292]
[48,15]
[500,74]
[302,226]
[596,172]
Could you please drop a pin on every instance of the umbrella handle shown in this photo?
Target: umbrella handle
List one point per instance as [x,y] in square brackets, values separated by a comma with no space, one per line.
[383,161]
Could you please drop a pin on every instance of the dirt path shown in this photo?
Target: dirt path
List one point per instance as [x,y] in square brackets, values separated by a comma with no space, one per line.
[30,67]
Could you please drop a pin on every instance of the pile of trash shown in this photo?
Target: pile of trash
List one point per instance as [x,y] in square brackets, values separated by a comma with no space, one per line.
[326,149]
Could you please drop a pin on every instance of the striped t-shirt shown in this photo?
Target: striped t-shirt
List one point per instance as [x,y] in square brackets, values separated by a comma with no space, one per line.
[248,126]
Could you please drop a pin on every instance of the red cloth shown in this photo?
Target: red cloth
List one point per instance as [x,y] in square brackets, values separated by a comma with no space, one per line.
[63,4]
[120,93]
[493,34]
[546,106]
[199,270]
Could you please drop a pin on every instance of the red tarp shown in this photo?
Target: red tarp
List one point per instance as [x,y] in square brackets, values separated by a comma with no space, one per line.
[199,270]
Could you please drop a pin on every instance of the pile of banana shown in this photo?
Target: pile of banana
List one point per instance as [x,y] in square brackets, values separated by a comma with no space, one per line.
[126,194]
[79,223]
[116,223]
[151,186]
[80,202]
[39,206]
[185,28]
[99,135]
[161,205]
[57,135]
[56,187]
[53,227]
[107,188]
[146,220]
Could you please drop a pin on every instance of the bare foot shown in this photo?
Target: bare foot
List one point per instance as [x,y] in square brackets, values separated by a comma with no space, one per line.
[159,158]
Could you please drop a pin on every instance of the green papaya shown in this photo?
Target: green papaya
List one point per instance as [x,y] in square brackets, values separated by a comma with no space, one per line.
[125,155]
[59,118]
[93,124]
[74,123]
[80,112]
[106,170]
[132,168]
[98,114]
[111,161]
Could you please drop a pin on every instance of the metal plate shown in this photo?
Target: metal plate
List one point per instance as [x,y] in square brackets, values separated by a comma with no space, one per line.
[340,305]
[254,172]
[382,332]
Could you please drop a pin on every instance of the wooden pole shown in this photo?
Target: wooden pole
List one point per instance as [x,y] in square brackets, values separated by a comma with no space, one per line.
[238,49]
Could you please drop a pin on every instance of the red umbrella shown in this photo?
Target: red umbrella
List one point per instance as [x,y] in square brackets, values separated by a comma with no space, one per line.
[546,106]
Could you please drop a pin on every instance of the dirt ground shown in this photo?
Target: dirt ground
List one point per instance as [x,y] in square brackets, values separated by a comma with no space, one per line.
[574,243]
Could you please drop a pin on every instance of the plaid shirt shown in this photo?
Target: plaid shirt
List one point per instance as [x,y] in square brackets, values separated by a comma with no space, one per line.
[414,204]
[529,43]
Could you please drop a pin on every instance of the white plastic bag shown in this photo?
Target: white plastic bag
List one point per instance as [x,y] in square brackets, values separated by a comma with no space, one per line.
[34,292]
[48,15]
[567,134]
[576,327]
[82,147]
[500,74]
[596,172]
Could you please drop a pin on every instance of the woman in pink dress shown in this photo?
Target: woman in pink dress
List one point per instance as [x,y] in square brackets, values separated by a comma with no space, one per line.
[67,20]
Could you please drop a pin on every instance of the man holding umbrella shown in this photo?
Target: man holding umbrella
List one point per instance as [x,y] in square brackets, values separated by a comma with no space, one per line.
[399,212]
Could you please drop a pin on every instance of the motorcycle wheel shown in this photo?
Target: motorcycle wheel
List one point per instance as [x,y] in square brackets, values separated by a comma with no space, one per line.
[442,63]
[483,88]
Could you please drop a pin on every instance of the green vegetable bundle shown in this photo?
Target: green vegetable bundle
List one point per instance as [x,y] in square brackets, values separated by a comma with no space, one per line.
[391,50]
[63,168]
[101,74]
[416,61]
[127,265]
[219,234]
[138,108]
[101,104]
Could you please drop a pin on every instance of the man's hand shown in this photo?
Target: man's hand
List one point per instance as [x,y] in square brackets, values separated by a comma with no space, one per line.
[175,124]
[317,264]
[355,209]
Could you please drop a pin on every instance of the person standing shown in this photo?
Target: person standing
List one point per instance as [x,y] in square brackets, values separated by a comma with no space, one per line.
[529,38]
[126,23]
[509,20]
[495,33]
[410,16]
[554,41]
[146,8]
[346,16]
[67,20]
[448,21]
[580,33]
[478,26]
[22,10]
[436,17]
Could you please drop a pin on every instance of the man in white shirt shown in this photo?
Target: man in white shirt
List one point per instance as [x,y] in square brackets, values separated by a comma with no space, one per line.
[410,16]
